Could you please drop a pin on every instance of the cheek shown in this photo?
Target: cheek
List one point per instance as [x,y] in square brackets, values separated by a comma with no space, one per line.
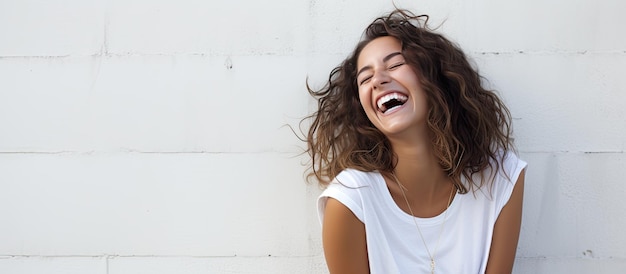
[364,99]
[366,106]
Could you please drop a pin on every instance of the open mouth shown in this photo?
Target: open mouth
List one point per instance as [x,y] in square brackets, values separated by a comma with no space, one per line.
[391,101]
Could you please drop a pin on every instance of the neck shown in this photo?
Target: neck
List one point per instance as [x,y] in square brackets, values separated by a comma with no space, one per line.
[418,170]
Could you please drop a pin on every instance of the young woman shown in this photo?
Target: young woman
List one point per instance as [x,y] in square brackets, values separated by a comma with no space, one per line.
[416,157]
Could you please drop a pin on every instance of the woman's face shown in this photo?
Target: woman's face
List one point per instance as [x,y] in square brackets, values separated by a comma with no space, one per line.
[389,89]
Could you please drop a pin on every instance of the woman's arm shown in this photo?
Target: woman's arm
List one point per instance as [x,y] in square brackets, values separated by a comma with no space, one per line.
[343,237]
[506,232]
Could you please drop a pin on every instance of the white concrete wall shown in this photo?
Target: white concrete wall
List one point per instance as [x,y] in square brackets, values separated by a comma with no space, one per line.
[147,136]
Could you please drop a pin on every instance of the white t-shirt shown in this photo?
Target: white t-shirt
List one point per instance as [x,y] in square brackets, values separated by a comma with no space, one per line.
[393,243]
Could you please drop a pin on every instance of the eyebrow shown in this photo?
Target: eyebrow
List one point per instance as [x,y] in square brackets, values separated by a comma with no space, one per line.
[385,59]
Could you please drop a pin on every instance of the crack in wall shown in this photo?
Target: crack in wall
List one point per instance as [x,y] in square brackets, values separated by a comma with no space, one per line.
[551,52]
[69,152]
[105,52]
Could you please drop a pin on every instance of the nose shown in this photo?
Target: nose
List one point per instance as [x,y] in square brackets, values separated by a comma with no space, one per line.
[380,78]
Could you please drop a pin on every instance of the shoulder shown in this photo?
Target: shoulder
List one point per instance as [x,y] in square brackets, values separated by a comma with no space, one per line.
[502,172]
[510,167]
[347,188]
[510,170]
[353,178]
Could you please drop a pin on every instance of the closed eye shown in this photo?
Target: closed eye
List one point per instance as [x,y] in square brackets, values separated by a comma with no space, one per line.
[365,80]
[392,67]
[395,65]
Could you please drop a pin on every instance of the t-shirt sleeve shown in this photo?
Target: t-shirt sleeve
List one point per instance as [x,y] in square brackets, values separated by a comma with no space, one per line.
[510,170]
[345,190]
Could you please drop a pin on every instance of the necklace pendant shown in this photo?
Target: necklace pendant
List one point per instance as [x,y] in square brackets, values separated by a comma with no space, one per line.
[432,266]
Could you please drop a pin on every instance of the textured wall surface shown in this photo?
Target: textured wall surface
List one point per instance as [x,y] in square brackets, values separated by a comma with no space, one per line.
[149,136]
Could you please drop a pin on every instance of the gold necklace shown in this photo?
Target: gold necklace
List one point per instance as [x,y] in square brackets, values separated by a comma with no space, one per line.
[431,256]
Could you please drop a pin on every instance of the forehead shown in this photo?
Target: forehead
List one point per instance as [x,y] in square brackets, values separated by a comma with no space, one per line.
[377,49]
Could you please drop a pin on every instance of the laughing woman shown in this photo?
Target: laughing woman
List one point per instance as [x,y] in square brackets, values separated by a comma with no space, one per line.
[416,158]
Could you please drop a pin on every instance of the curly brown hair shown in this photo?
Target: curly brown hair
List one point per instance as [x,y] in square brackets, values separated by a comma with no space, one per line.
[470,126]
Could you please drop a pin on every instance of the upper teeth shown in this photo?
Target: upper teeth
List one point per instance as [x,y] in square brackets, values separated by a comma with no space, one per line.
[389,97]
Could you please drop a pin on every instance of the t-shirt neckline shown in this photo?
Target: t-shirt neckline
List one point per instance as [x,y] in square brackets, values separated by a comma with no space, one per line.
[406,217]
